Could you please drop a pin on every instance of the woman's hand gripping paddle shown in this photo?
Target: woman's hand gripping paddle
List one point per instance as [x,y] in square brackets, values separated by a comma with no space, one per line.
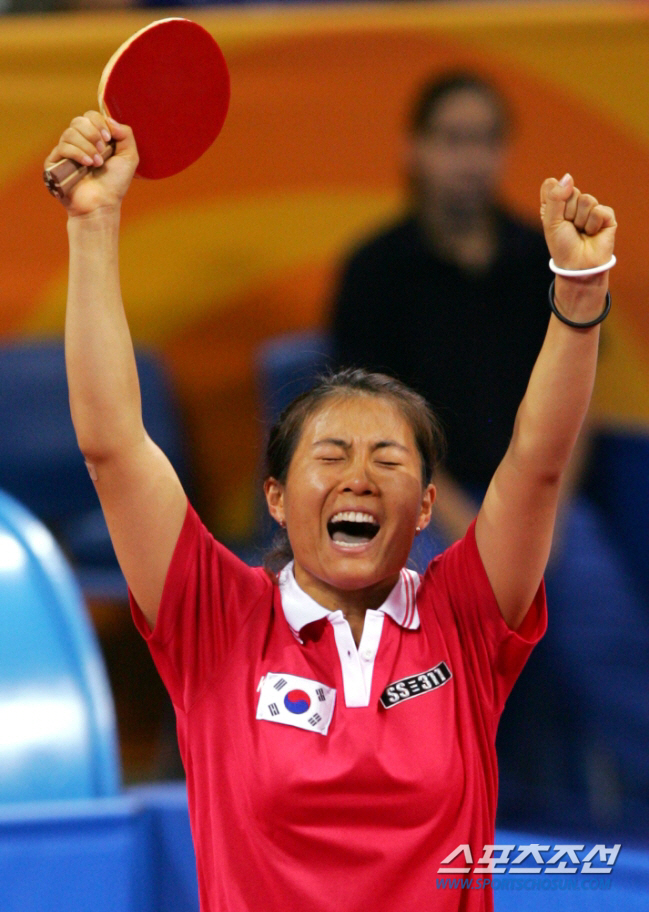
[170,83]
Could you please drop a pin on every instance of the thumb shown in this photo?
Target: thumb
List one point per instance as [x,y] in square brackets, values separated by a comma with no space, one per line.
[118,130]
[123,135]
[554,196]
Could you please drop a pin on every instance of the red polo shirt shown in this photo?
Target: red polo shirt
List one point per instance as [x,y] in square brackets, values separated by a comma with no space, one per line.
[322,776]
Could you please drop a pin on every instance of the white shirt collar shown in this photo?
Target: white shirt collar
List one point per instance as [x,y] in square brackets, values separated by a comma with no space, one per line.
[300,609]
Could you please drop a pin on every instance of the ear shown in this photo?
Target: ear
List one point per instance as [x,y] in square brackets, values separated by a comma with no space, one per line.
[427,506]
[274,492]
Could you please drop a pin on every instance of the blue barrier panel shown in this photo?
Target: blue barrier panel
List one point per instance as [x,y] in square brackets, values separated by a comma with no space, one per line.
[624,889]
[175,885]
[77,856]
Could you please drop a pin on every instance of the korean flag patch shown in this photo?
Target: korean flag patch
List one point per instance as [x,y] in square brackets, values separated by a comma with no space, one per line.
[296,701]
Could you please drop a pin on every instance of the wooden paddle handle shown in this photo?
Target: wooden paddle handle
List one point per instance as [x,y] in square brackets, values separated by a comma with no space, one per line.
[63,175]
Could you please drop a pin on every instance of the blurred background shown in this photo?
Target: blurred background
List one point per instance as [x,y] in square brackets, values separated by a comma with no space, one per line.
[247,244]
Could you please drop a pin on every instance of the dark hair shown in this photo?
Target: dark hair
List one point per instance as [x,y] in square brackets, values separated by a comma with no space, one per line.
[436,90]
[286,431]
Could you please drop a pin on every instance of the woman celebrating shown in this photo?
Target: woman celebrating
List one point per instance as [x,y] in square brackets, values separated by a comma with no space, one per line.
[336,723]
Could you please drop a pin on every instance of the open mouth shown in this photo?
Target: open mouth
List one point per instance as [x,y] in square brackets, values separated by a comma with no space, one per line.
[352,529]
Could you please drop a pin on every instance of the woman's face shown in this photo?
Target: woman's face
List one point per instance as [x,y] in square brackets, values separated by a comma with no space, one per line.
[353,496]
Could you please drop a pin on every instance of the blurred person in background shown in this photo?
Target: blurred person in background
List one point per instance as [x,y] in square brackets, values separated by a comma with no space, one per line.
[435,299]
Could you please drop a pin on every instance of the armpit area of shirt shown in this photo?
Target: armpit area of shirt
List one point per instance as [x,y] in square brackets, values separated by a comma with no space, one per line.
[535,622]
[164,628]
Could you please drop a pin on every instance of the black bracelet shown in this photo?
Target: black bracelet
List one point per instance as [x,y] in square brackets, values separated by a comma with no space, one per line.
[602,316]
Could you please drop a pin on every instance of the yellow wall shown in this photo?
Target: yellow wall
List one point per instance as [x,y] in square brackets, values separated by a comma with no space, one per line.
[244,243]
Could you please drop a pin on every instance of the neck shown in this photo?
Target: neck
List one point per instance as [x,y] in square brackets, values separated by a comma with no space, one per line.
[468,239]
[353,603]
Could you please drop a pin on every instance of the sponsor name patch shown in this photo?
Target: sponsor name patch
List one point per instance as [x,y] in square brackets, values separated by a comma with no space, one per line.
[415,685]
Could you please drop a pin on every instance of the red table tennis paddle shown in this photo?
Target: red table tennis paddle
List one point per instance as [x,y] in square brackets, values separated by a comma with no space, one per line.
[170,83]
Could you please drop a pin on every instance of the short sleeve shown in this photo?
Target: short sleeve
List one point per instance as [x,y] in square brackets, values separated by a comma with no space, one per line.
[494,654]
[208,596]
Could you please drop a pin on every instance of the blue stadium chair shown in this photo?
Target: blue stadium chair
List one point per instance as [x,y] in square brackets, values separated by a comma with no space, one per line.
[285,366]
[288,365]
[40,462]
[57,722]
[619,484]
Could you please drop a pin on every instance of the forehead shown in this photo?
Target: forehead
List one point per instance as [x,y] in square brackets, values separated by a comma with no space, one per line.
[358,416]
[462,108]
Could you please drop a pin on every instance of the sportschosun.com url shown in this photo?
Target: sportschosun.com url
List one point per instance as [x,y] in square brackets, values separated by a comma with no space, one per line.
[517,884]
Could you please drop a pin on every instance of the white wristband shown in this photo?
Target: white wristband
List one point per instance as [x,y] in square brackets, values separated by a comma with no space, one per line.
[577,273]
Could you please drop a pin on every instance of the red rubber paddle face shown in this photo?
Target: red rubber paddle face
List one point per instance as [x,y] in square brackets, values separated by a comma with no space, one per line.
[170,83]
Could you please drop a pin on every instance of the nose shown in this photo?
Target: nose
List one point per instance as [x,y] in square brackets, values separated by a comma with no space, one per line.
[358,479]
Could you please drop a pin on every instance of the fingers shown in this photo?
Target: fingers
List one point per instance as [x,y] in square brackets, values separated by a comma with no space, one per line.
[571,205]
[599,218]
[606,218]
[587,215]
[86,139]
[585,206]
[562,201]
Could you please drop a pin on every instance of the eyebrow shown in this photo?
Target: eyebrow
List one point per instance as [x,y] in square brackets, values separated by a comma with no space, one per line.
[345,444]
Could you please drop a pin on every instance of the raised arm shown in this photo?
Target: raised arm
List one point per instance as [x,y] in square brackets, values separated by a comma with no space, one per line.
[141,496]
[516,521]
